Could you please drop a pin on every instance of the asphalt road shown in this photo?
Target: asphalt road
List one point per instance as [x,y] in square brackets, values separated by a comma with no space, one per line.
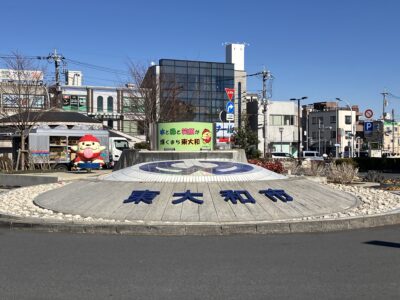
[362,264]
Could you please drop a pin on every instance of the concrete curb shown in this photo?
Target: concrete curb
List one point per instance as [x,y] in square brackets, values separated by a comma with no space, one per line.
[20,180]
[30,224]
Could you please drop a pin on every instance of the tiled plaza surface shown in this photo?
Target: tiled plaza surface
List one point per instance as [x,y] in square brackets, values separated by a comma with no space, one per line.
[193,170]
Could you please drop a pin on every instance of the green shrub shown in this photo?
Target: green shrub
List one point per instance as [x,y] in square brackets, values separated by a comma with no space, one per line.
[6,164]
[374,176]
[350,161]
[366,164]
[142,145]
[342,173]
[247,139]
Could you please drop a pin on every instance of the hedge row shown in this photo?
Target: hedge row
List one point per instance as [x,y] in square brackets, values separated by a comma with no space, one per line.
[366,164]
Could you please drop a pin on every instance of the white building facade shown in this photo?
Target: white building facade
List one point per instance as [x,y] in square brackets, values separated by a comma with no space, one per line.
[234,54]
[110,105]
[331,130]
[282,131]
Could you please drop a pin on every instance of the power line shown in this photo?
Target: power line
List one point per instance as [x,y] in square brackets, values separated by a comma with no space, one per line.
[393,96]
[97,68]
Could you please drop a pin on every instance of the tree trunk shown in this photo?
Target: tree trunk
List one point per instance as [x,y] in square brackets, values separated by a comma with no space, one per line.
[22,158]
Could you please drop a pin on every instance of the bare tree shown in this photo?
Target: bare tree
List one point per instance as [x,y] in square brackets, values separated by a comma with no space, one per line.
[153,99]
[24,98]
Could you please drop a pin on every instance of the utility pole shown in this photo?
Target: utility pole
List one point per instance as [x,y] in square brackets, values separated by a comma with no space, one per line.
[384,94]
[57,59]
[319,136]
[299,138]
[265,76]
[393,153]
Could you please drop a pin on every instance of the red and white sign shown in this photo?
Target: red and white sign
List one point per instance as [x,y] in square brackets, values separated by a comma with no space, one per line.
[230,92]
[368,113]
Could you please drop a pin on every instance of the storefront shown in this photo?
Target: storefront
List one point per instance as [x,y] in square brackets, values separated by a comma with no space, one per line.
[75,103]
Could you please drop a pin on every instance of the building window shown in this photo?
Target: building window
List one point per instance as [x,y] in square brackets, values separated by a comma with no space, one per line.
[333,134]
[288,120]
[276,120]
[347,119]
[279,120]
[23,101]
[110,123]
[133,128]
[314,120]
[110,104]
[193,84]
[99,103]
[332,119]
[74,103]
[314,135]
[133,105]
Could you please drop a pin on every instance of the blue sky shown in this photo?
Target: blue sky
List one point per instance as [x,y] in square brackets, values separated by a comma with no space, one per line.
[316,48]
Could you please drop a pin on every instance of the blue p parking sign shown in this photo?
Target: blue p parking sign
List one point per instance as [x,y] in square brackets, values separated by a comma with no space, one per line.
[368,127]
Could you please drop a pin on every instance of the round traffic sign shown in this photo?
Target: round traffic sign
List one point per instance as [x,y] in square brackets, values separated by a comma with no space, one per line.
[222,116]
[368,113]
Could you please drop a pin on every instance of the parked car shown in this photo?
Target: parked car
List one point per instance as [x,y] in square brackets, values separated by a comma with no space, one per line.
[281,155]
[362,154]
[312,155]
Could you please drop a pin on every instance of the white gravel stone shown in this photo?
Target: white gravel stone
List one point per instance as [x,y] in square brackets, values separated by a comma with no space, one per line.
[19,203]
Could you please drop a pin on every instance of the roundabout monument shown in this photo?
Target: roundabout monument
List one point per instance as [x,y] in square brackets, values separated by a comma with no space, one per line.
[203,192]
[196,191]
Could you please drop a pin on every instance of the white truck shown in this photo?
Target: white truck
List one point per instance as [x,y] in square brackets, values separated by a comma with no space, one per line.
[53,146]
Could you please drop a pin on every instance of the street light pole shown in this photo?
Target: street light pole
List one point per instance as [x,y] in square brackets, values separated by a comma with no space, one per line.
[351,153]
[298,123]
[319,136]
[281,131]
[337,142]
[325,139]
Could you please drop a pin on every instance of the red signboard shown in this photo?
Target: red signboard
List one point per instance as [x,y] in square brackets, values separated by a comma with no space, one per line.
[229,92]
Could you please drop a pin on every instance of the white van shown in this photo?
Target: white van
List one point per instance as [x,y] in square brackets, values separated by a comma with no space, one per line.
[281,155]
[312,155]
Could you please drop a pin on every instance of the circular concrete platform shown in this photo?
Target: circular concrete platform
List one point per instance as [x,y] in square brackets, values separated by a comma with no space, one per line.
[193,170]
[105,199]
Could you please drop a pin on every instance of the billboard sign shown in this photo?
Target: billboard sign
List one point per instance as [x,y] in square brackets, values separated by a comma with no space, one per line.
[21,75]
[185,136]
[224,132]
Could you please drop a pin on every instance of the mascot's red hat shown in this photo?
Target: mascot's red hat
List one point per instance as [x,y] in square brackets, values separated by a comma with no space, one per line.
[88,138]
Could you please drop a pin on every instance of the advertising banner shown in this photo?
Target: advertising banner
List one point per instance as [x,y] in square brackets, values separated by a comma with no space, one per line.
[224,132]
[185,136]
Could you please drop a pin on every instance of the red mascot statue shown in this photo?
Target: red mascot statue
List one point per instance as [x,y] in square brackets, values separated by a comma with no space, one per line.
[88,150]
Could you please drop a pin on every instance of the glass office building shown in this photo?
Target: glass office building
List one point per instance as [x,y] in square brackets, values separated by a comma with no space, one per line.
[193,90]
